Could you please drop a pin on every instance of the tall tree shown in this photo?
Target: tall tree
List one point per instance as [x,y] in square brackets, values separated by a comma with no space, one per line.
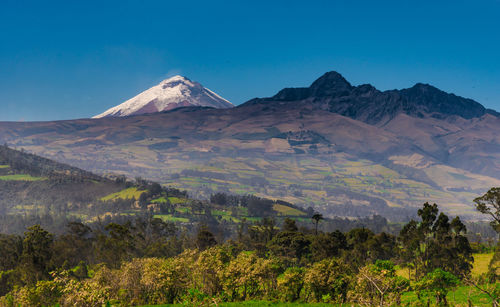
[37,253]
[316,218]
[435,242]
[489,204]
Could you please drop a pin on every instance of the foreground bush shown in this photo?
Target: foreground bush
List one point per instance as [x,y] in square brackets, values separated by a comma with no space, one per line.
[216,273]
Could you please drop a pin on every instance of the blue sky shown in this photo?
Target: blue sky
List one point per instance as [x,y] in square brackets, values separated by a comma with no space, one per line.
[68,59]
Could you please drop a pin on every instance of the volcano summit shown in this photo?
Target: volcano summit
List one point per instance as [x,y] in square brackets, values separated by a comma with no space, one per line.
[169,94]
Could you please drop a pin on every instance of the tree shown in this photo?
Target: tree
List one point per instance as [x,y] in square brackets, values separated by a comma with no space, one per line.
[11,247]
[377,284]
[328,245]
[327,280]
[290,244]
[359,246]
[116,246]
[289,225]
[261,233]
[37,253]
[204,238]
[437,283]
[219,199]
[143,200]
[249,276]
[74,246]
[489,204]
[317,217]
[155,189]
[436,242]
[210,266]
[290,284]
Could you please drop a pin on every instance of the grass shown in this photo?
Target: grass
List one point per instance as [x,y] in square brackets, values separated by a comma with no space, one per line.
[480,265]
[4,166]
[185,210]
[21,177]
[124,194]
[219,212]
[254,304]
[481,262]
[457,297]
[170,218]
[159,200]
[288,211]
[177,200]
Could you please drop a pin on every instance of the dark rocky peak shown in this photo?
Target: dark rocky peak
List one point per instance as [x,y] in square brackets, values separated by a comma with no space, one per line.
[423,91]
[293,94]
[364,102]
[365,89]
[331,84]
[431,99]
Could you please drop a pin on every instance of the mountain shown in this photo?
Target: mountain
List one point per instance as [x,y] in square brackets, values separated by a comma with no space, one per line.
[332,92]
[171,93]
[341,149]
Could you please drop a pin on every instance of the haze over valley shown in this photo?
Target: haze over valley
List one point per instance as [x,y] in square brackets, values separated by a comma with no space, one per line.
[344,150]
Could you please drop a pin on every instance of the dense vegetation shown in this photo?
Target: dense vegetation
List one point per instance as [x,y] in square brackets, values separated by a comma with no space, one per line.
[151,261]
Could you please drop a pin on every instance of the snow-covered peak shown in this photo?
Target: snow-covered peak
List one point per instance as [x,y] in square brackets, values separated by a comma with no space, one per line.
[171,93]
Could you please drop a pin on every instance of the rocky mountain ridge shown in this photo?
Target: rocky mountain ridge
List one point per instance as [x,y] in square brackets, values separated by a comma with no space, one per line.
[334,93]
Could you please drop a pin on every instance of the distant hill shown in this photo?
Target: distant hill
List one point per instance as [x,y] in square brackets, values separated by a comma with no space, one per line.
[36,190]
[29,183]
[342,149]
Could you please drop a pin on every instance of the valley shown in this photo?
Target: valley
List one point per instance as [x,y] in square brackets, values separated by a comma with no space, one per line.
[328,148]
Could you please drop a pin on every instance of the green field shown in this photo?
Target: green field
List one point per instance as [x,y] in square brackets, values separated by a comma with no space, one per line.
[289,211]
[480,265]
[176,200]
[124,194]
[481,262]
[458,297]
[4,166]
[21,177]
[254,304]
[159,200]
[171,218]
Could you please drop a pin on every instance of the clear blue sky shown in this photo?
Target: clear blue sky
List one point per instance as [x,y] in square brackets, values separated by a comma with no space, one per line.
[63,59]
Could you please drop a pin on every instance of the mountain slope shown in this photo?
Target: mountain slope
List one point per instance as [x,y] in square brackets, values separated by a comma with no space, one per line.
[29,183]
[171,93]
[36,190]
[342,149]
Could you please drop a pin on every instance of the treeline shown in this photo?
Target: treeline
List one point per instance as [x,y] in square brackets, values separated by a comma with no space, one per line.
[149,261]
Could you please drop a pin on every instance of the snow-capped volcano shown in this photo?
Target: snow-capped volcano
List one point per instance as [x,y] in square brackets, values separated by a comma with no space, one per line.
[171,93]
